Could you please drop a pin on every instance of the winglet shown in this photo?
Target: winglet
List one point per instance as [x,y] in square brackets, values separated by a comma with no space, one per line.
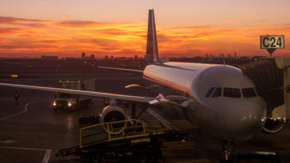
[152,47]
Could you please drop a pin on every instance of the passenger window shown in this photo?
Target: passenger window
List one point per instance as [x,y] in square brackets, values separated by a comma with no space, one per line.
[249,92]
[232,92]
[217,92]
[209,92]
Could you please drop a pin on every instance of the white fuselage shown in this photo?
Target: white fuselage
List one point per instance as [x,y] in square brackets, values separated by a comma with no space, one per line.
[224,101]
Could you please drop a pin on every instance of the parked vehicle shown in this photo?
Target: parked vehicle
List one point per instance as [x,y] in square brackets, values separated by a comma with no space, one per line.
[73,102]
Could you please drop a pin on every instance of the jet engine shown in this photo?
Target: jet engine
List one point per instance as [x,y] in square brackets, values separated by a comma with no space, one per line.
[112,114]
[272,126]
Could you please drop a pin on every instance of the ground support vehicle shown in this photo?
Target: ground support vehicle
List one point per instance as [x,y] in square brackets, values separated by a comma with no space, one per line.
[139,145]
[73,102]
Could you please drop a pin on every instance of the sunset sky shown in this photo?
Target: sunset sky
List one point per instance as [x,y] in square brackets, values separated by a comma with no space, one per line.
[189,28]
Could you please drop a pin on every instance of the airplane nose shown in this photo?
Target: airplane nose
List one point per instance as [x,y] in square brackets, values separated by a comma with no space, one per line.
[245,121]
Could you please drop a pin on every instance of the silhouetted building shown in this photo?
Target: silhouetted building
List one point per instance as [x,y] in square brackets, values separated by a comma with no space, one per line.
[112,57]
[221,55]
[83,55]
[49,57]
[106,57]
[235,55]
[229,56]
[136,57]
[92,56]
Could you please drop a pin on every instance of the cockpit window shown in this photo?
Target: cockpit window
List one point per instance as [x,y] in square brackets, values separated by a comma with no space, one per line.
[217,92]
[209,92]
[249,92]
[232,92]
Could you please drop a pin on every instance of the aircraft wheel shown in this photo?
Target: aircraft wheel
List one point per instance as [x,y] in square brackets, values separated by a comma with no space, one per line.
[142,158]
[96,158]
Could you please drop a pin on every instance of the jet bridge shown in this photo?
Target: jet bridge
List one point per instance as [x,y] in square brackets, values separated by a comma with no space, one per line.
[272,79]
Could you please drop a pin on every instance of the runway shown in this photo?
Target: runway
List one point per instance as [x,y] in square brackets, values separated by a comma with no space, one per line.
[31,132]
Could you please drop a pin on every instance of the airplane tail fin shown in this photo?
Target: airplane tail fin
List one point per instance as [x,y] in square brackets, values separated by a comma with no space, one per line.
[152,47]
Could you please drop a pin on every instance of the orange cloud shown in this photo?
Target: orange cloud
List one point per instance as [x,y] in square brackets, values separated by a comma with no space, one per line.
[77,24]
[66,16]
[262,21]
[230,21]
[256,22]
[4,20]
[31,37]
[6,31]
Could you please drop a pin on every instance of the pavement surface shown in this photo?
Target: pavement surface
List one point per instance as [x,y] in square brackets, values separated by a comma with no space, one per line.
[30,132]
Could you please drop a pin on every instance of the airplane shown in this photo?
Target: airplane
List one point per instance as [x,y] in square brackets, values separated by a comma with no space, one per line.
[219,99]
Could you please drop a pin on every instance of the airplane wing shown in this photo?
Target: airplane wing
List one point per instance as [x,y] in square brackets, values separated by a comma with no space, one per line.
[138,99]
[121,69]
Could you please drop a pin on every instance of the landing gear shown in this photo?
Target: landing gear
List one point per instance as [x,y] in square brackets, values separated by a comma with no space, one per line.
[228,156]
[96,158]
[142,158]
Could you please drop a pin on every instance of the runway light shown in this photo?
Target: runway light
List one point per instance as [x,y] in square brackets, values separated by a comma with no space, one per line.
[54,103]
[69,103]
[262,120]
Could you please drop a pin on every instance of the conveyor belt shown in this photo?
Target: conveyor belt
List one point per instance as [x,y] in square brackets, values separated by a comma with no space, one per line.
[269,81]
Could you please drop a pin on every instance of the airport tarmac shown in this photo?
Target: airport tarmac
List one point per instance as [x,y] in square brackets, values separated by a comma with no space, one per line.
[31,132]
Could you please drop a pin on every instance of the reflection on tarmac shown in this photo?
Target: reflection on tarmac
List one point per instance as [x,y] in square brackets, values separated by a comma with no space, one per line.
[69,122]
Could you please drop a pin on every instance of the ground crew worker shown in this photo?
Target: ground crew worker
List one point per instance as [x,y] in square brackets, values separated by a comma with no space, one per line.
[16,97]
